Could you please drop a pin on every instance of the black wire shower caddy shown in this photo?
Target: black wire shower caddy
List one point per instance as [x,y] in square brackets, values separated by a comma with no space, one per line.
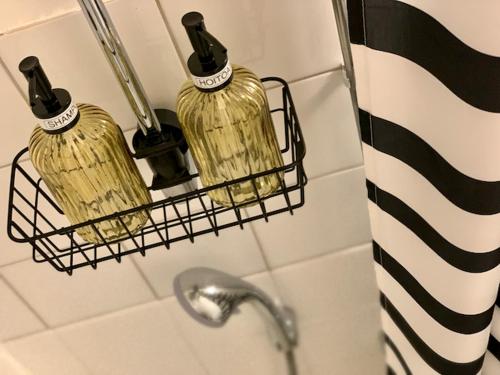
[33,215]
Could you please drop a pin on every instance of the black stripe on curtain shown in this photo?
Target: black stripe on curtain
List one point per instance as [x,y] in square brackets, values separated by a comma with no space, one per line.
[398,28]
[494,347]
[356,21]
[464,260]
[397,353]
[452,320]
[434,360]
[465,192]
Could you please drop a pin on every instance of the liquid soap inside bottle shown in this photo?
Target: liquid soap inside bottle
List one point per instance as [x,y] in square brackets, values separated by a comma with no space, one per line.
[82,156]
[225,117]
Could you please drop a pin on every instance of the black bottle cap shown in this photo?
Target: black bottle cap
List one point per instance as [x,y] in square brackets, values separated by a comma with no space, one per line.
[210,56]
[45,101]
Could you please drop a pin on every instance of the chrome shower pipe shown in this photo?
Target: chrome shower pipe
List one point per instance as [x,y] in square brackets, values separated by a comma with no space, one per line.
[102,25]
[343,30]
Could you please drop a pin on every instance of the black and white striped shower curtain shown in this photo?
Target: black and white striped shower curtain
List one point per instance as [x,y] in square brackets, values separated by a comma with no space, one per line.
[428,85]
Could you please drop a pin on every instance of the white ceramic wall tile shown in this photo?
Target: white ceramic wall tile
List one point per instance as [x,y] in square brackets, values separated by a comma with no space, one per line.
[16,318]
[8,368]
[15,14]
[150,48]
[140,340]
[9,251]
[45,354]
[17,120]
[242,346]
[73,59]
[324,109]
[15,251]
[8,365]
[288,38]
[60,299]
[334,216]
[234,251]
[336,300]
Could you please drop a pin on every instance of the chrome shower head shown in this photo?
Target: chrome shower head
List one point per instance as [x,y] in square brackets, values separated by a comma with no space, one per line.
[211,296]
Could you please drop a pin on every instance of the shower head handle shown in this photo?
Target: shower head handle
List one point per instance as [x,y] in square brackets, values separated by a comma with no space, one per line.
[211,297]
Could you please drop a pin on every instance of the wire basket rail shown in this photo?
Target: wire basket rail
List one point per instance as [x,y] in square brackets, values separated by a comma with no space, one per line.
[34,217]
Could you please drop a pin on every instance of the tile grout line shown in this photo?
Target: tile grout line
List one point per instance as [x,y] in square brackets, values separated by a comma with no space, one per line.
[38,22]
[169,30]
[267,264]
[144,277]
[16,261]
[342,250]
[269,270]
[48,19]
[110,312]
[23,159]
[100,315]
[187,342]
[25,302]
[314,75]
[172,39]
[261,249]
[337,172]
[290,82]
[307,77]
[51,330]
[322,175]
[14,82]
[354,247]
[73,353]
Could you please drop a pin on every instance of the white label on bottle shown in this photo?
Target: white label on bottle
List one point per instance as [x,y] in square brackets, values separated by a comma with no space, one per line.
[61,120]
[215,80]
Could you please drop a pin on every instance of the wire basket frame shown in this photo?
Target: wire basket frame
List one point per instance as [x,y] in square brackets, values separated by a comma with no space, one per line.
[35,218]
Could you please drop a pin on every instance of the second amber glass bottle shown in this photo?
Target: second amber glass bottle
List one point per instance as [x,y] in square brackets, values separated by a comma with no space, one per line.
[82,156]
[225,117]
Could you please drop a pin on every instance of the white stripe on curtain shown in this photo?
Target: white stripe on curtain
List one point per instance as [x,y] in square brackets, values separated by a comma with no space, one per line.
[418,259]
[393,362]
[397,90]
[443,341]
[416,364]
[491,365]
[451,221]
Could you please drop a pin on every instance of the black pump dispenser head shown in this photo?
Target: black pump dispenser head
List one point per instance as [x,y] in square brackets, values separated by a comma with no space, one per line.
[210,56]
[45,101]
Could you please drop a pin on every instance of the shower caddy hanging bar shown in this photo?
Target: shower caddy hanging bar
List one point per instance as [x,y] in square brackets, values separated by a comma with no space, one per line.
[345,45]
[101,24]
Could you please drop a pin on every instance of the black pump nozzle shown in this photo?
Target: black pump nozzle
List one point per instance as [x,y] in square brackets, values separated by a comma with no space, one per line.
[39,84]
[45,102]
[210,56]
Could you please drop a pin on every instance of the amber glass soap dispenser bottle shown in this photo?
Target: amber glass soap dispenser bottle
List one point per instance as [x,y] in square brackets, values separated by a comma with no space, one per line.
[225,117]
[82,156]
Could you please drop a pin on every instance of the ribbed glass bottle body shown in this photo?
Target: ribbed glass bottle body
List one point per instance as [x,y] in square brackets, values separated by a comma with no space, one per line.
[91,174]
[231,135]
